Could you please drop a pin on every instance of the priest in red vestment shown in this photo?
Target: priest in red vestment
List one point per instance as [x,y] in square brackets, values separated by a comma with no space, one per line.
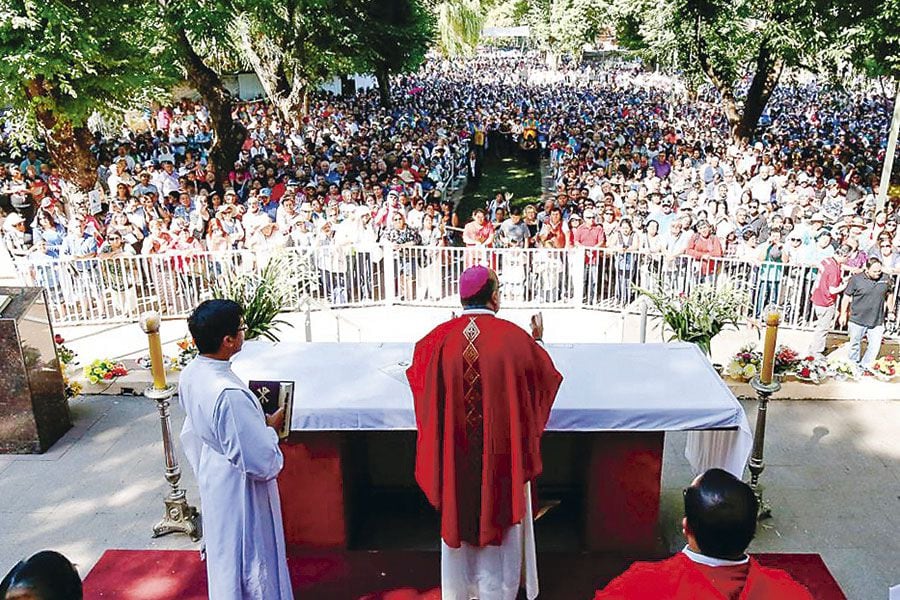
[483,389]
[720,521]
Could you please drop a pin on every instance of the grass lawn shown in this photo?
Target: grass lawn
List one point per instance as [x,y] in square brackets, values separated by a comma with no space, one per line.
[502,175]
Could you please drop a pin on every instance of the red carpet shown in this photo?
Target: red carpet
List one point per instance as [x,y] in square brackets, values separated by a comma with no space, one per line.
[395,575]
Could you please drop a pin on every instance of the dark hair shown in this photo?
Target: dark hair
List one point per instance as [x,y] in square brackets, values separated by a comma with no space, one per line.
[873,260]
[515,211]
[48,575]
[721,512]
[211,321]
[484,294]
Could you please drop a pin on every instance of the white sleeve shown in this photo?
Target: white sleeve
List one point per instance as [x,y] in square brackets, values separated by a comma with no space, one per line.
[247,442]
[191,445]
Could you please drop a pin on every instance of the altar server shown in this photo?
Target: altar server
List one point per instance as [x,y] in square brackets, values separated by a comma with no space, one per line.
[233,449]
[483,390]
[720,521]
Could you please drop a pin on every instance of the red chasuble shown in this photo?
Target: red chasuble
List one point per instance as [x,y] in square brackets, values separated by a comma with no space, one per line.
[483,391]
[680,578]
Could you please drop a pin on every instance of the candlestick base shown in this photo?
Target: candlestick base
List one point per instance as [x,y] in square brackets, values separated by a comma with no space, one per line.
[180,517]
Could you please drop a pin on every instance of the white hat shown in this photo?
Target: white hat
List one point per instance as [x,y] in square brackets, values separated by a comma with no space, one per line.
[12,220]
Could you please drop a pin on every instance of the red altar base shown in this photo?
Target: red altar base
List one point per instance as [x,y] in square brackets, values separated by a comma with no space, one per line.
[611,478]
[348,575]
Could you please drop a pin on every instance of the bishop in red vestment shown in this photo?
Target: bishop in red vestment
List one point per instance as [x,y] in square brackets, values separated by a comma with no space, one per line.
[719,523]
[483,389]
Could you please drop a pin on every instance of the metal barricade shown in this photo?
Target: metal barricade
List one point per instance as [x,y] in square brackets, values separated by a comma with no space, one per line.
[120,288]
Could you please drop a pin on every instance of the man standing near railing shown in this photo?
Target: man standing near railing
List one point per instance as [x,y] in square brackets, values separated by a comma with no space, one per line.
[824,298]
[866,294]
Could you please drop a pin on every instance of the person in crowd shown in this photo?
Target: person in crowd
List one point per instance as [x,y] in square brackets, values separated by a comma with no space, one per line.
[232,447]
[720,513]
[824,298]
[868,301]
[478,447]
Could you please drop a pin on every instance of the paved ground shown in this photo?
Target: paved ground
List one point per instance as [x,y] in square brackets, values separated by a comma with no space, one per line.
[833,478]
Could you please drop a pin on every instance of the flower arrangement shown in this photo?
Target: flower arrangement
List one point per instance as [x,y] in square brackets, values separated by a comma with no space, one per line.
[812,369]
[67,358]
[786,360]
[886,367]
[104,369]
[702,313]
[187,350]
[842,369]
[745,364]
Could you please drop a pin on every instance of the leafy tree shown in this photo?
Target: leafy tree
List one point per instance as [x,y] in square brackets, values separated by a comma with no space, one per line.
[394,39]
[730,40]
[293,45]
[459,25]
[565,26]
[64,61]
[204,47]
[874,43]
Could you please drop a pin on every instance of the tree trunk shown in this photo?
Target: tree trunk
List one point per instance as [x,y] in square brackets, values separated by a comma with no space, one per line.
[69,146]
[70,150]
[230,134]
[384,87]
[768,72]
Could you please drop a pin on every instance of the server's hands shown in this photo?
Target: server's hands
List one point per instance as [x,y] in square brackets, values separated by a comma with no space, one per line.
[276,420]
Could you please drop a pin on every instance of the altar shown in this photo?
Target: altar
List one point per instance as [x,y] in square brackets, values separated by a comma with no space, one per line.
[353,434]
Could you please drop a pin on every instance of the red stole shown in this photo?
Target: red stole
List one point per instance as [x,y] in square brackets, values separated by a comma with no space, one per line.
[680,578]
[483,390]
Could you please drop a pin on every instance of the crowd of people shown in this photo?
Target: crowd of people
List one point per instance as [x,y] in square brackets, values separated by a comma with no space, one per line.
[648,182]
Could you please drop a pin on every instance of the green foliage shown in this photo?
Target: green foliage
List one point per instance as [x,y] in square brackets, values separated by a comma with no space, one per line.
[700,315]
[394,37]
[264,295]
[66,60]
[565,26]
[873,43]
[459,25]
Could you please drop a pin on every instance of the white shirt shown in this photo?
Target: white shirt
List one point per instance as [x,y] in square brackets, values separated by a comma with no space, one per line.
[709,561]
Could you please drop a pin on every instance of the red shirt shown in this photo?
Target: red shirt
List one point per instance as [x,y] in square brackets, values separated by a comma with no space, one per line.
[680,578]
[829,277]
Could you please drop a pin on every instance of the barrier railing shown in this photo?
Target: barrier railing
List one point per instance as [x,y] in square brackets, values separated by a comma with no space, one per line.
[120,288]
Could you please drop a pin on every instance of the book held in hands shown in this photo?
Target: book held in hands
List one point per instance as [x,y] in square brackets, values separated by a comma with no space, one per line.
[273,395]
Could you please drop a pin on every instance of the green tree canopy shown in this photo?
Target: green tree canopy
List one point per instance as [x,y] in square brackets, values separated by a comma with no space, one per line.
[394,39]
[728,40]
[64,61]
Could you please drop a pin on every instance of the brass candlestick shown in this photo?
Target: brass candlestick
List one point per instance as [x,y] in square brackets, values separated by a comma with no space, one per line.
[757,465]
[765,385]
[180,517]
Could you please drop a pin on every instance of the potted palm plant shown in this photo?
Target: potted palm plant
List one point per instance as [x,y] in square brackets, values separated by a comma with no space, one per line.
[264,295]
[700,314]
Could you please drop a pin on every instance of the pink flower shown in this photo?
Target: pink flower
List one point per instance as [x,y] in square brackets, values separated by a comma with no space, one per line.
[58,339]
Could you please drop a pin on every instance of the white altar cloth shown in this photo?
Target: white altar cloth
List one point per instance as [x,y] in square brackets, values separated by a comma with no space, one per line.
[606,387]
